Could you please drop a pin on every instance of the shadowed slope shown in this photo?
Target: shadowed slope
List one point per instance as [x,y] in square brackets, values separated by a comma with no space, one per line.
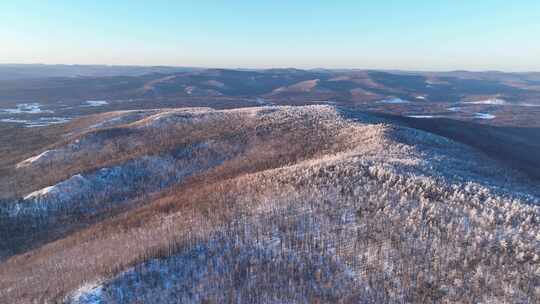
[518,147]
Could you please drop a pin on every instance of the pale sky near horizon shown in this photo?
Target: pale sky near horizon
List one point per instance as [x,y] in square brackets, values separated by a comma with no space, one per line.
[385,34]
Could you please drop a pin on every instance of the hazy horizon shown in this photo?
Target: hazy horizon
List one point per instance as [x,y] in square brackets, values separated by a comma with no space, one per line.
[388,35]
[263,68]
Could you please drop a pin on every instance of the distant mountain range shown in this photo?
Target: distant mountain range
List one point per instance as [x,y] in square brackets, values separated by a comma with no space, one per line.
[69,82]
[30,71]
[511,99]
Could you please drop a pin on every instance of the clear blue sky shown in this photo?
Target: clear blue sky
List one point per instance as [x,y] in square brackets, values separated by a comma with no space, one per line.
[401,34]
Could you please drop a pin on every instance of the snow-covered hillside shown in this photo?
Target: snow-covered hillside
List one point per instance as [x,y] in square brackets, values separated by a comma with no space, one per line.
[277,205]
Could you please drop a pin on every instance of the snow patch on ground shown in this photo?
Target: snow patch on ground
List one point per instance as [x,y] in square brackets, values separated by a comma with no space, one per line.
[500,102]
[454,109]
[31,109]
[26,108]
[62,190]
[38,159]
[421,97]
[484,116]
[96,103]
[423,116]
[394,101]
[47,121]
[527,105]
[40,193]
[40,122]
[89,293]
[14,120]
[491,101]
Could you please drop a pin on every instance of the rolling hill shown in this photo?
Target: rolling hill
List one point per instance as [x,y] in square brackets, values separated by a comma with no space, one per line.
[494,98]
[271,204]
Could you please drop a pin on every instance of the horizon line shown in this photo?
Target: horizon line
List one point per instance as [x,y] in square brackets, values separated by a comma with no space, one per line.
[271,68]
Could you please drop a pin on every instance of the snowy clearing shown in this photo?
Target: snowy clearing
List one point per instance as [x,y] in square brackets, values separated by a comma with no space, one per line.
[484,116]
[491,101]
[42,157]
[96,103]
[40,122]
[14,120]
[394,101]
[26,108]
[422,116]
[500,102]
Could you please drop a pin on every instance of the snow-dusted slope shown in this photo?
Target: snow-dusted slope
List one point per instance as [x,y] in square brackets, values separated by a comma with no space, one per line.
[345,225]
[123,154]
[101,189]
[285,205]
